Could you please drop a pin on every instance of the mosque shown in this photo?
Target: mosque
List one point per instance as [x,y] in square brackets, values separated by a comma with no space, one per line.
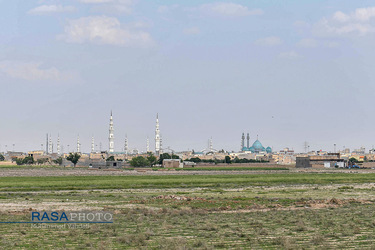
[257,146]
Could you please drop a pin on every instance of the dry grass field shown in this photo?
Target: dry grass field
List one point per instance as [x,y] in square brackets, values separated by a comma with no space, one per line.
[259,209]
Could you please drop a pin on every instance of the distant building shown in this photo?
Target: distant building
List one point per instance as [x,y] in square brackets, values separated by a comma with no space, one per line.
[360,151]
[172,163]
[257,146]
[320,161]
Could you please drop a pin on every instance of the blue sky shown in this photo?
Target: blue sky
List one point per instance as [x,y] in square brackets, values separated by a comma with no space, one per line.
[288,71]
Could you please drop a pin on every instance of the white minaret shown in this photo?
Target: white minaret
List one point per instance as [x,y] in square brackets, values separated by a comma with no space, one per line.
[58,144]
[157,136]
[126,148]
[161,145]
[92,144]
[148,145]
[50,145]
[78,145]
[111,136]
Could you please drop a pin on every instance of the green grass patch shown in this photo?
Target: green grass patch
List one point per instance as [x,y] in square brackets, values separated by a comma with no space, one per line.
[176,181]
[231,168]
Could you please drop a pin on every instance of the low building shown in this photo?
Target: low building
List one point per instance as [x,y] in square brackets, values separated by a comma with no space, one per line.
[106,164]
[172,163]
[320,161]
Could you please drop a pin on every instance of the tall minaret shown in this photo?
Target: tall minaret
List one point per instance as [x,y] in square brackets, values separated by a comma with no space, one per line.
[78,145]
[50,150]
[148,146]
[47,145]
[161,145]
[92,144]
[111,136]
[242,141]
[157,136]
[248,140]
[126,148]
[58,144]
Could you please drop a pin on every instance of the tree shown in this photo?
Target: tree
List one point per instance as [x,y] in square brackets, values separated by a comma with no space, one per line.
[19,161]
[111,158]
[164,156]
[227,160]
[195,159]
[2,158]
[139,161]
[58,161]
[74,158]
[354,160]
[42,161]
[28,160]
[151,158]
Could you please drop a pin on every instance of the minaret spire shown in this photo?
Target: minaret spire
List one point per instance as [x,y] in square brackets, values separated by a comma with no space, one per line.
[157,136]
[248,140]
[47,151]
[126,148]
[111,135]
[148,145]
[78,145]
[50,145]
[58,145]
[92,145]
[242,141]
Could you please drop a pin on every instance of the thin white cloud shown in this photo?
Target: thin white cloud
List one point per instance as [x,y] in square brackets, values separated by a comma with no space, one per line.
[96,1]
[307,43]
[228,10]
[289,55]
[301,24]
[359,22]
[31,71]
[48,9]
[331,44]
[269,41]
[192,31]
[111,6]
[104,30]
[167,8]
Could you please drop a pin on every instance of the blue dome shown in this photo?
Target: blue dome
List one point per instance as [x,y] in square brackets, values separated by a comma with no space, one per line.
[258,146]
[251,149]
[245,149]
[269,150]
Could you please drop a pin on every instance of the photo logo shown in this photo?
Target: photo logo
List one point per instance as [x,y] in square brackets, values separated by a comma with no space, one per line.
[71,217]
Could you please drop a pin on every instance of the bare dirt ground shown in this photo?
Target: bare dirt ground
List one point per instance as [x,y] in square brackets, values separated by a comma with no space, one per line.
[89,172]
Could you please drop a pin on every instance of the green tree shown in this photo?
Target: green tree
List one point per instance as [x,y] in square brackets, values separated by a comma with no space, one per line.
[58,161]
[353,160]
[2,158]
[28,160]
[227,160]
[74,158]
[163,156]
[111,158]
[42,161]
[151,158]
[139,161]
[19,161]
[195,159]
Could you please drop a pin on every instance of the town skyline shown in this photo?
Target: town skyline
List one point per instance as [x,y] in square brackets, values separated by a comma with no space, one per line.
[55,144]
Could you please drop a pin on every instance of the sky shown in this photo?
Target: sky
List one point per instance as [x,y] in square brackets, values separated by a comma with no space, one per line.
[287,71]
